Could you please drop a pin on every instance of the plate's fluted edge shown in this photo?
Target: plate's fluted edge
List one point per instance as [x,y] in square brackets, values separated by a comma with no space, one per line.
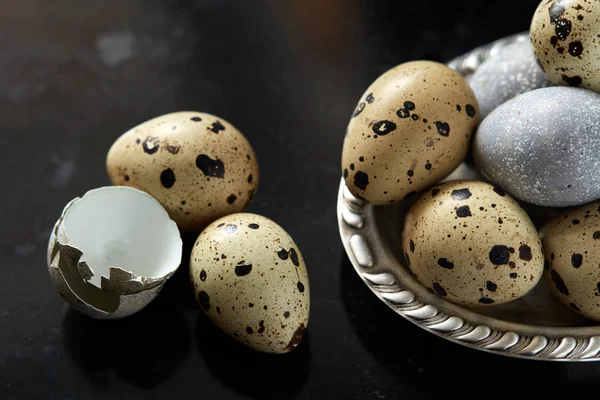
[388,287]
[352,219]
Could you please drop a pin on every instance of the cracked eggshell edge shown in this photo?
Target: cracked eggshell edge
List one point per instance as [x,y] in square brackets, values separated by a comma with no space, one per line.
[134,293]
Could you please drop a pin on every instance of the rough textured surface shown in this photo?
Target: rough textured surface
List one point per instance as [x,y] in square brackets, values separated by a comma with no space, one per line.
[572,250]
[565,36]
[410,129]
[513,71]
[543,146]
[199,166]
[471,243]
[250,278]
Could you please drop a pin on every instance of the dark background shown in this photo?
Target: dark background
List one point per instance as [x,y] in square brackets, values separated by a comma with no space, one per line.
[76,74]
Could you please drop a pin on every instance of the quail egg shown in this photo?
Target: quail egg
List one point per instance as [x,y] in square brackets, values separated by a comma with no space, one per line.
[249,277]
[411,128]
[543,146]
[471,243]
[564,34]
[197,165]
[572,250]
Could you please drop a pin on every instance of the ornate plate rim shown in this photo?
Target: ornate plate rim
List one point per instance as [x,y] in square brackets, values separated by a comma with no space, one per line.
[355,220]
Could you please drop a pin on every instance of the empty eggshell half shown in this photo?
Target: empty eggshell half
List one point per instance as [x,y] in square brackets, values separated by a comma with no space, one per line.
[112,251]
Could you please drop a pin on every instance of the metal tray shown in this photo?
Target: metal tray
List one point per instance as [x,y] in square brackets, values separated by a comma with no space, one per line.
[536,326]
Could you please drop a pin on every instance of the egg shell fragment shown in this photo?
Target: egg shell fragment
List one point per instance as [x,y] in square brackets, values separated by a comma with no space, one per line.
[572,251]
[472,244]
[411,128]
[564,34]
[507,74]
[250,278]
[197,165]
[101,263]
[543,147]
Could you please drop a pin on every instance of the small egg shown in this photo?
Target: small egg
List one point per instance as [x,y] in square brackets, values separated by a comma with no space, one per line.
[471,243]
[543,146]
[510,72]
[411,128]
[564,34]
[572,250]
[249,277]
[197,165]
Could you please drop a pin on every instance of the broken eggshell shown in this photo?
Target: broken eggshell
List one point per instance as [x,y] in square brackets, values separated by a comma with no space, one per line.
[112,250]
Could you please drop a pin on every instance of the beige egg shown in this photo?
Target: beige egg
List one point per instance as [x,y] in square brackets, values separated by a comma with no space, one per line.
[565,36]
[411,128]
[572,250]
[249,277]
[472,244]
[198,166]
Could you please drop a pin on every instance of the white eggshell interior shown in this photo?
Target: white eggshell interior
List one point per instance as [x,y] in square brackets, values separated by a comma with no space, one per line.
[126,228]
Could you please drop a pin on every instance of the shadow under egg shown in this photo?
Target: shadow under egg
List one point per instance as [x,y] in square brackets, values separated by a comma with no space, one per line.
[178,291]
[144,349]
[249,372]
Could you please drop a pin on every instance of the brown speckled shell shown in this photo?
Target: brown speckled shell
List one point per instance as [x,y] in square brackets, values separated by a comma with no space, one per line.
[472,244]
[250,278]
[566,39]
[198,166]
[572,250]
[411,128]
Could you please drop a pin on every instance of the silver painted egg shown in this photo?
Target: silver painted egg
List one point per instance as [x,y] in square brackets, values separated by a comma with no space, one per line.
[507,74]
[543,146]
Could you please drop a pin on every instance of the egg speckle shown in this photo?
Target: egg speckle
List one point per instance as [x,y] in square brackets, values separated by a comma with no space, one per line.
[571,243]
[197,165]
[250,278]
[470,243]
[564,34]
[411,128]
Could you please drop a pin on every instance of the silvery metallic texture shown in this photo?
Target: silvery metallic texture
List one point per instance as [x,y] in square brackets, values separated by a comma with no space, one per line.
[543,147]
[512,71]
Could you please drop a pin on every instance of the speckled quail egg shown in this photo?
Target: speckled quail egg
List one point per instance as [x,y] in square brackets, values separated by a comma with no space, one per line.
[197,165]
[572,249]
[472,244]
[564,34]
[249,277]
[411,128]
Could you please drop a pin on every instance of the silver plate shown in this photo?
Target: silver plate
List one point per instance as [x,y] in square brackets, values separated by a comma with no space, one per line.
[536,326]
